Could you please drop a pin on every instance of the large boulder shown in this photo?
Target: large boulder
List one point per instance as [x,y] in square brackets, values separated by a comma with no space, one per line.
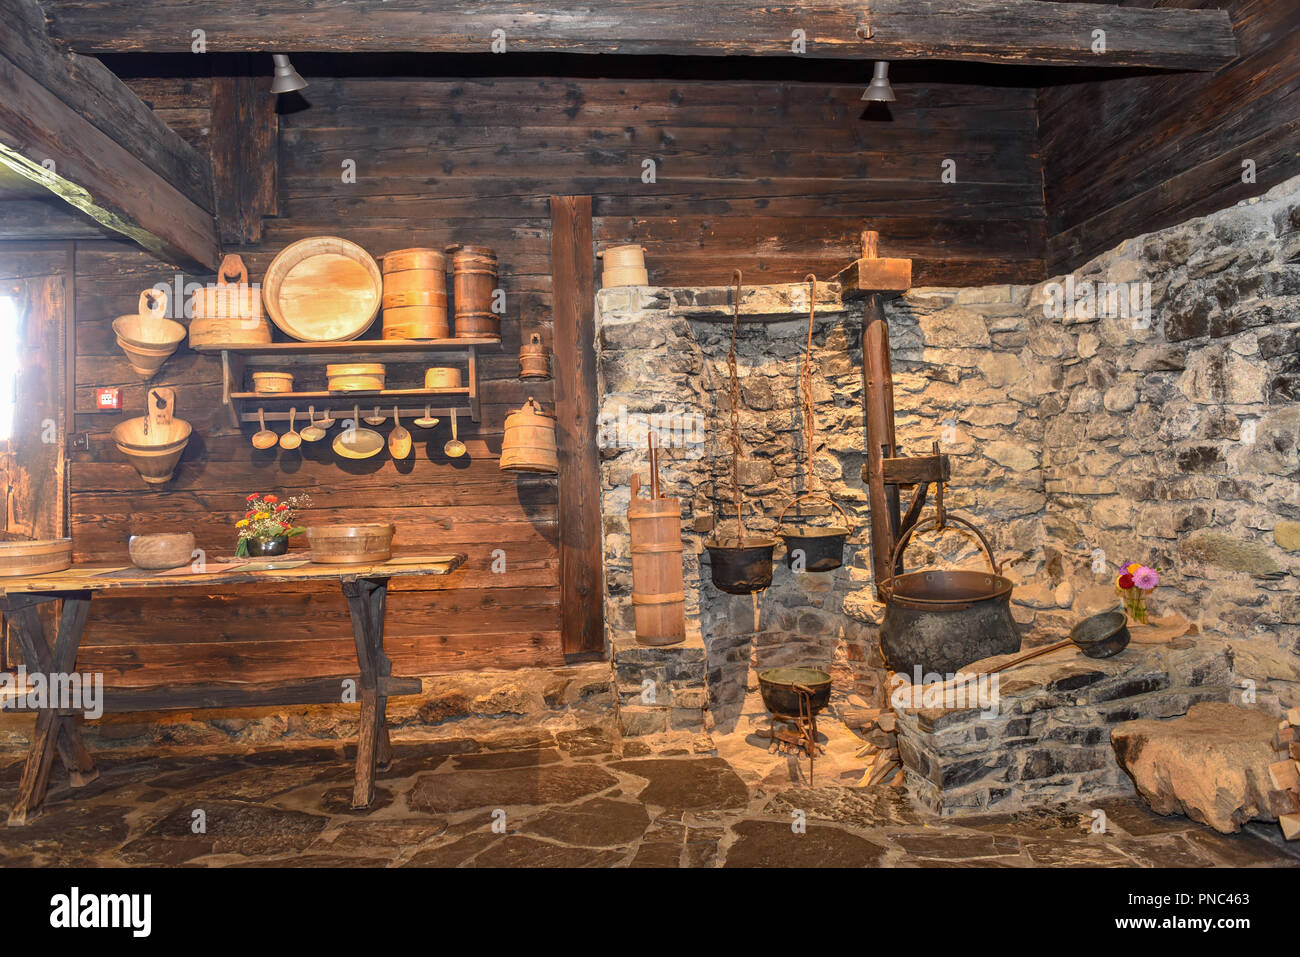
[1210,764]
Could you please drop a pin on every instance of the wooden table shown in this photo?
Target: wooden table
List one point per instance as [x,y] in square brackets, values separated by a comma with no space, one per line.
[364,586]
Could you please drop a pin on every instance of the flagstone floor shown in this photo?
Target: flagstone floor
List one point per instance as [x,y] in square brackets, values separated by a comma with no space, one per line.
[565,799]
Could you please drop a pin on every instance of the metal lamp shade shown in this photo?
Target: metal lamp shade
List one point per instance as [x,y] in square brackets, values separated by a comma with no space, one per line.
[287,79]
[879,89]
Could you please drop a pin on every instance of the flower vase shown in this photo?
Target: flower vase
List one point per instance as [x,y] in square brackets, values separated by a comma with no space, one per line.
[263,547]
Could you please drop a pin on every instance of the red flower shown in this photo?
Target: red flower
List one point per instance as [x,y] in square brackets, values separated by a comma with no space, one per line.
[281,508]
[249,498]
[248,515]
[1125,581]
[270,500]
[284,524]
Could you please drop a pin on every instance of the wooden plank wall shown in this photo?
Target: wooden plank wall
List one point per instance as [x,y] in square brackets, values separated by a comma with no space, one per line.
[1127,156]
[777,178]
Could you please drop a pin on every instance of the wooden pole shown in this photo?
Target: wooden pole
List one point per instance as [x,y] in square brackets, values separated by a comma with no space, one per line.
[878,402]
[573,284]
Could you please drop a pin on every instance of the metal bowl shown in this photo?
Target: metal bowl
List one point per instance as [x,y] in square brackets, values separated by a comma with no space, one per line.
[1102,636]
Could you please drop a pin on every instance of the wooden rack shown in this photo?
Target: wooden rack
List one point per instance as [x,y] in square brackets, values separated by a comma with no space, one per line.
[241,403]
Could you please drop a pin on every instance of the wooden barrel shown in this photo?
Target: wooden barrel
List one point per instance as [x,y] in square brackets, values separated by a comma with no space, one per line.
[474,284]
[415,294]
[658,598]
[534,360]
[623,257]
[228,312]
[529,441]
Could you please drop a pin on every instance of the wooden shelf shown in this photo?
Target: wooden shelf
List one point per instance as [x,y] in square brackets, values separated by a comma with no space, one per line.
[346,398]
[350,347]
[241,403]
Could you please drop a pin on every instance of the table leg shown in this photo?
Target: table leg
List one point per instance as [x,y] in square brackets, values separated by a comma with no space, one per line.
[54,731]
[366,604]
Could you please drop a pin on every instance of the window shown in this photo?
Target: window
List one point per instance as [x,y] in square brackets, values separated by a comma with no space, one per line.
[10,338]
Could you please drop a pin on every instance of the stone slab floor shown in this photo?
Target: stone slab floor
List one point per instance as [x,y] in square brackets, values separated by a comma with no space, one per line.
[576,798]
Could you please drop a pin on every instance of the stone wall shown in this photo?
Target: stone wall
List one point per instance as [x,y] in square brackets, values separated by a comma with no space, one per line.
[1081,438]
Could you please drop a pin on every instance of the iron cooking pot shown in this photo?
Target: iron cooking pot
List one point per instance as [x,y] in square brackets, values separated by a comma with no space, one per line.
[779,689]
[941,621]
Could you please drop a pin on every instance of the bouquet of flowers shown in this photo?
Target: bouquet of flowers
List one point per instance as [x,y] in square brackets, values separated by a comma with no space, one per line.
[1134,584]
[268,517]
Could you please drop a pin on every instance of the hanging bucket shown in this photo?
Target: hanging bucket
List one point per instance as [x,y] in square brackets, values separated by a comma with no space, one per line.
[149,338]
[941,621]
[741,568]
[822,548]
[529,442]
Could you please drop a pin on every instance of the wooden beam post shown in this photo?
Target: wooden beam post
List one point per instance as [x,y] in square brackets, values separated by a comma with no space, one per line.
[573,291]
[70,126]
[245,155]
[1025,32]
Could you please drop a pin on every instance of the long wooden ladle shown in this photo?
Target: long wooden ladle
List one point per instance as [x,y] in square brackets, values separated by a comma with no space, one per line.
[291,439]
[455,448]
[265,438]
[399,440]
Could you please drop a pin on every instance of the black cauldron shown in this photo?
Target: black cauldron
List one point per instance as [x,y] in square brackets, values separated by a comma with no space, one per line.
[779,687]
[741,568]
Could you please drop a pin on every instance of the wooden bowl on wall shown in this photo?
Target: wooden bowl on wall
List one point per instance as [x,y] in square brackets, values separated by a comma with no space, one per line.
[162,550]
[323,289]
[35,558]
[154,456]
[351,544]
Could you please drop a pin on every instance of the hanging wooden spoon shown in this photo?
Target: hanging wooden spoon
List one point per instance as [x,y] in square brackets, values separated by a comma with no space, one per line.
[291,439]
[313,432]
[327,421]
[455,448]
[375,419]
[399,440]
[265,438]
[427,421]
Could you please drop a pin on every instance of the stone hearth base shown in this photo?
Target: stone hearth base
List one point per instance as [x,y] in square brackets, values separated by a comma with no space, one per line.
[1048,742]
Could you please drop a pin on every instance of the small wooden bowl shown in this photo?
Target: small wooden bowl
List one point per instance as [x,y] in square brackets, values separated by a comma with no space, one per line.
[442,377]
[351,544]
[272,382]
[162,550]
[355,376]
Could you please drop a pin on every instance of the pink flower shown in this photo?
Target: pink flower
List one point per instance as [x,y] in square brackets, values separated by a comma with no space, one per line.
[1146,578]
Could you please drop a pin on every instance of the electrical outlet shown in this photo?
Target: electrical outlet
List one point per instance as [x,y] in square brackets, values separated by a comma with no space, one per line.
[79,442]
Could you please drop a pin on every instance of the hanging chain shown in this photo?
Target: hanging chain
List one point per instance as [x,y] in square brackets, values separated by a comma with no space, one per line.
[805,382]
[735,413]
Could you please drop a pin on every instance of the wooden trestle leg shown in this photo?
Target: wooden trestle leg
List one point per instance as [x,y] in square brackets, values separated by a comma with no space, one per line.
[56,730]
[366,604]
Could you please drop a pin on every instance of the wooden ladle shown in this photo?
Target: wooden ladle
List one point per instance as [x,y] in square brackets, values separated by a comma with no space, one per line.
[427,421]
[376,419]
[399,440]
[264,438]
[357,442]
[455,448]
[313,432]
[291,439]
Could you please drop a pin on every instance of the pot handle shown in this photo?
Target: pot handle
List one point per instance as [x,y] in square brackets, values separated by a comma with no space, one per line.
[888,585]
[826,495]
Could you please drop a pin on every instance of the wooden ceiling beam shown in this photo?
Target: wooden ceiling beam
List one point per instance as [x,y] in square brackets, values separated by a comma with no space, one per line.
[71,127]
[1025,32]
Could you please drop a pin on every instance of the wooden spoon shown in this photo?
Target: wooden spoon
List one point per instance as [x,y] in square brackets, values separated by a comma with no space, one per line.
[265,438]
[399,440]
[375,419]
[455,448]
[428,421]
[327,421]
[291,439]
[313,432]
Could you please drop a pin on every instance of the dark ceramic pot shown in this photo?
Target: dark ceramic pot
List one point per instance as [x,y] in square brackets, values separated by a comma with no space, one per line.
[268,547]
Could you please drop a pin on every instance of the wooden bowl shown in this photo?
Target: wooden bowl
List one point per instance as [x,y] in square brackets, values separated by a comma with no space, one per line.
[355,376]
[272,383]
[154,456]
[162,550]
[323,289]
[351,544]
[35,558]
[442,377]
